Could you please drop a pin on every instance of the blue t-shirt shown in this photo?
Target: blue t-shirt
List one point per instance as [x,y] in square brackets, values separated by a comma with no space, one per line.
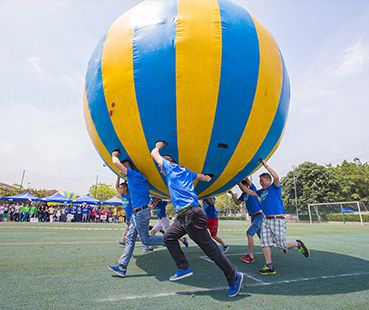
[209,209]
[160,209]
[180,185]
[138,189]
[127,206]
[79,210]
[85,210]
[271,200]
[66,210]
[253,204]
[73,211]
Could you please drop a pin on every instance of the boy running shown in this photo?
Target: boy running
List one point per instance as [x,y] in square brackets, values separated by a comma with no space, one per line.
[190,220]
[138,191]
[273,228]
[253,207]
[212,223]
[122,189]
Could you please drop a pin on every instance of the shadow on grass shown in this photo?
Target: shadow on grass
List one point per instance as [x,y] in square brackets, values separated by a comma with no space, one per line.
[323,273]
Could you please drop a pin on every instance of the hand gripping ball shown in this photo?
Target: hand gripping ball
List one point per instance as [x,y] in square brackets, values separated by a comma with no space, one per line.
[205,76]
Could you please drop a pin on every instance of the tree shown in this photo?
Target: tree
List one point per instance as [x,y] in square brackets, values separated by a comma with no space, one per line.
[314,183]
[354,181]
[102,191]
[35,192]
[225,204]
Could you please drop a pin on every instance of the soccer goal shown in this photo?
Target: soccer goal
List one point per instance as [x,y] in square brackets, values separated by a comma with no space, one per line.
[342,211]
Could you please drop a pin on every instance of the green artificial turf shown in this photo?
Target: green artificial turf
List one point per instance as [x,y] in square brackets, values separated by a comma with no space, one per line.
[63,266]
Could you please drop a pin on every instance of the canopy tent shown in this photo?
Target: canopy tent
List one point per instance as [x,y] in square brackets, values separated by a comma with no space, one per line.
[113,201]
[57,197]
[87,200]
[21,197]
[68,195]
[346,210]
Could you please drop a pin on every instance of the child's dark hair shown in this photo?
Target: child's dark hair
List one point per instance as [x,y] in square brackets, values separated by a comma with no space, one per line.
[126,161]
[266,175]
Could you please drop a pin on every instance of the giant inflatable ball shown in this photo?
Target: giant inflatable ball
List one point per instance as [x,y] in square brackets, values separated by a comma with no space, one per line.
[205,76]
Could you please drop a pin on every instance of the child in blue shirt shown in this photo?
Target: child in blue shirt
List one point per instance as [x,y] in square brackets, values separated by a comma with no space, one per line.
[253,207]
[213,220]
[190,220]
[139,199]
[273,228]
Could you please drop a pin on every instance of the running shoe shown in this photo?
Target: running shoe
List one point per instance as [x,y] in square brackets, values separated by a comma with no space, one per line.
[148,249]
[267,270]
[225,249]
[122,242]
[247,258]
[302,248]
[119,270]
[235,287]
[181,274]
[185,242]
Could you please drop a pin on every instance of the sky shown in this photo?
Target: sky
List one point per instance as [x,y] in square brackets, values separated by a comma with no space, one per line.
[46,46]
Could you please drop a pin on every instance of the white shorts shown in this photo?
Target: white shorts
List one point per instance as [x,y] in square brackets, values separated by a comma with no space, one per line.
[273,231]
[162,223]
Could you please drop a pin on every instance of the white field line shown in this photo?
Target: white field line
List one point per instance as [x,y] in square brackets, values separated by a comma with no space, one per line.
[165,294]
[245,273]
[253,278]
[204,257]
[198,290]
[58,243]
[343,275]
[4,226]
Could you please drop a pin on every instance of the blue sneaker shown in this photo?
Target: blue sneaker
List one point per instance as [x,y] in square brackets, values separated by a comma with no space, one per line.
[185,242]
[225,249]
[118,270]
[181,274]
[235,287]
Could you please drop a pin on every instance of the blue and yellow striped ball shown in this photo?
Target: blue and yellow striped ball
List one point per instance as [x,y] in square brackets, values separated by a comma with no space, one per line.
[203,75]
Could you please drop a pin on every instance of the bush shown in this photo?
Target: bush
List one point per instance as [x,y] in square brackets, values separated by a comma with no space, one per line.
[232,218]
[338,217]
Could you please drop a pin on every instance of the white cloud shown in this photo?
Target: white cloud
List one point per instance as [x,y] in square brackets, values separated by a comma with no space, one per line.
[320,83]
[6,146]
[35,62]
[352,60]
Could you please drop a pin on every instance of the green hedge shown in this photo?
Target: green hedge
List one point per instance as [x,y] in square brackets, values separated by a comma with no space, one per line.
[338,217]
[232,218]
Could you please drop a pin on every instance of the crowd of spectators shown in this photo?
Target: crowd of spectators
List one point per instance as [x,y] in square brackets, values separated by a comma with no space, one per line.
[41,212]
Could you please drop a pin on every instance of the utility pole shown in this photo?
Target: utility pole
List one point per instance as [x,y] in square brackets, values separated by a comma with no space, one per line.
[296,199]
[23,173]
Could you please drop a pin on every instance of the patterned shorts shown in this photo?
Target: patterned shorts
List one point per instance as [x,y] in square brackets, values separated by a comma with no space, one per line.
[273,231]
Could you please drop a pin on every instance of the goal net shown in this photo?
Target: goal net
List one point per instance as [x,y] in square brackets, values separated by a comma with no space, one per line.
[342,211]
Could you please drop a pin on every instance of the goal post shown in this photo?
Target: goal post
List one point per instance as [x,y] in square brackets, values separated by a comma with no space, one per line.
[344,211]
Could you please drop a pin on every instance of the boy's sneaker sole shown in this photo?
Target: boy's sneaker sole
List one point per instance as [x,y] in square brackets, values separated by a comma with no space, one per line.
[181,277]
[239,288]
[267,273]
[117,273]
[303,249]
